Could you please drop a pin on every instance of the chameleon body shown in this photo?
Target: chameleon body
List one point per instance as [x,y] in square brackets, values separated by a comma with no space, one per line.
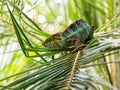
[79,32]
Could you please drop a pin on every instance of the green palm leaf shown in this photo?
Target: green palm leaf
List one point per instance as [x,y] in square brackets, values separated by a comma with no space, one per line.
[64,72]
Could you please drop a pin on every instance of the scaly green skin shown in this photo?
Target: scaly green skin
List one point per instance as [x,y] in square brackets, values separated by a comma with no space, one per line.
[79,32]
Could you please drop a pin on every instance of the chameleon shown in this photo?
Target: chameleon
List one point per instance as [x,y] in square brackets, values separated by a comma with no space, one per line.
[76,34]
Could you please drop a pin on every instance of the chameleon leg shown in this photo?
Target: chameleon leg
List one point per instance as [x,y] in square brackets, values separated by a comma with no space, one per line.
[79,47]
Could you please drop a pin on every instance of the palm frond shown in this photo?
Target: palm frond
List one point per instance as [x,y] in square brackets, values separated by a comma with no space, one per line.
[57,73]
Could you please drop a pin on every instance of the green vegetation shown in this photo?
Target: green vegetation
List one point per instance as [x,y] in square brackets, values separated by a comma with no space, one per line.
[27,65]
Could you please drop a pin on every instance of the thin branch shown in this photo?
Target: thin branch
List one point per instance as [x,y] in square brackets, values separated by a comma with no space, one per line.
[33,35]
[11,51]
[5,21]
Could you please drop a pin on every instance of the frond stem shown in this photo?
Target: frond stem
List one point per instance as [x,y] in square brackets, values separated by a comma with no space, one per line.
[73,70]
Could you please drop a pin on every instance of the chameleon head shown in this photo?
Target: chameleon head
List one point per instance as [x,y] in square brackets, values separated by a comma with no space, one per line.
[54,41]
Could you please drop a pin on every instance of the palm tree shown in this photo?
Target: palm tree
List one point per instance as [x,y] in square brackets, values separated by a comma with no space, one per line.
[32,66]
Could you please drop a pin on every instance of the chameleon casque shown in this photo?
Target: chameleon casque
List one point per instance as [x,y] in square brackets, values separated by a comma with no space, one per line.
[76,34]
